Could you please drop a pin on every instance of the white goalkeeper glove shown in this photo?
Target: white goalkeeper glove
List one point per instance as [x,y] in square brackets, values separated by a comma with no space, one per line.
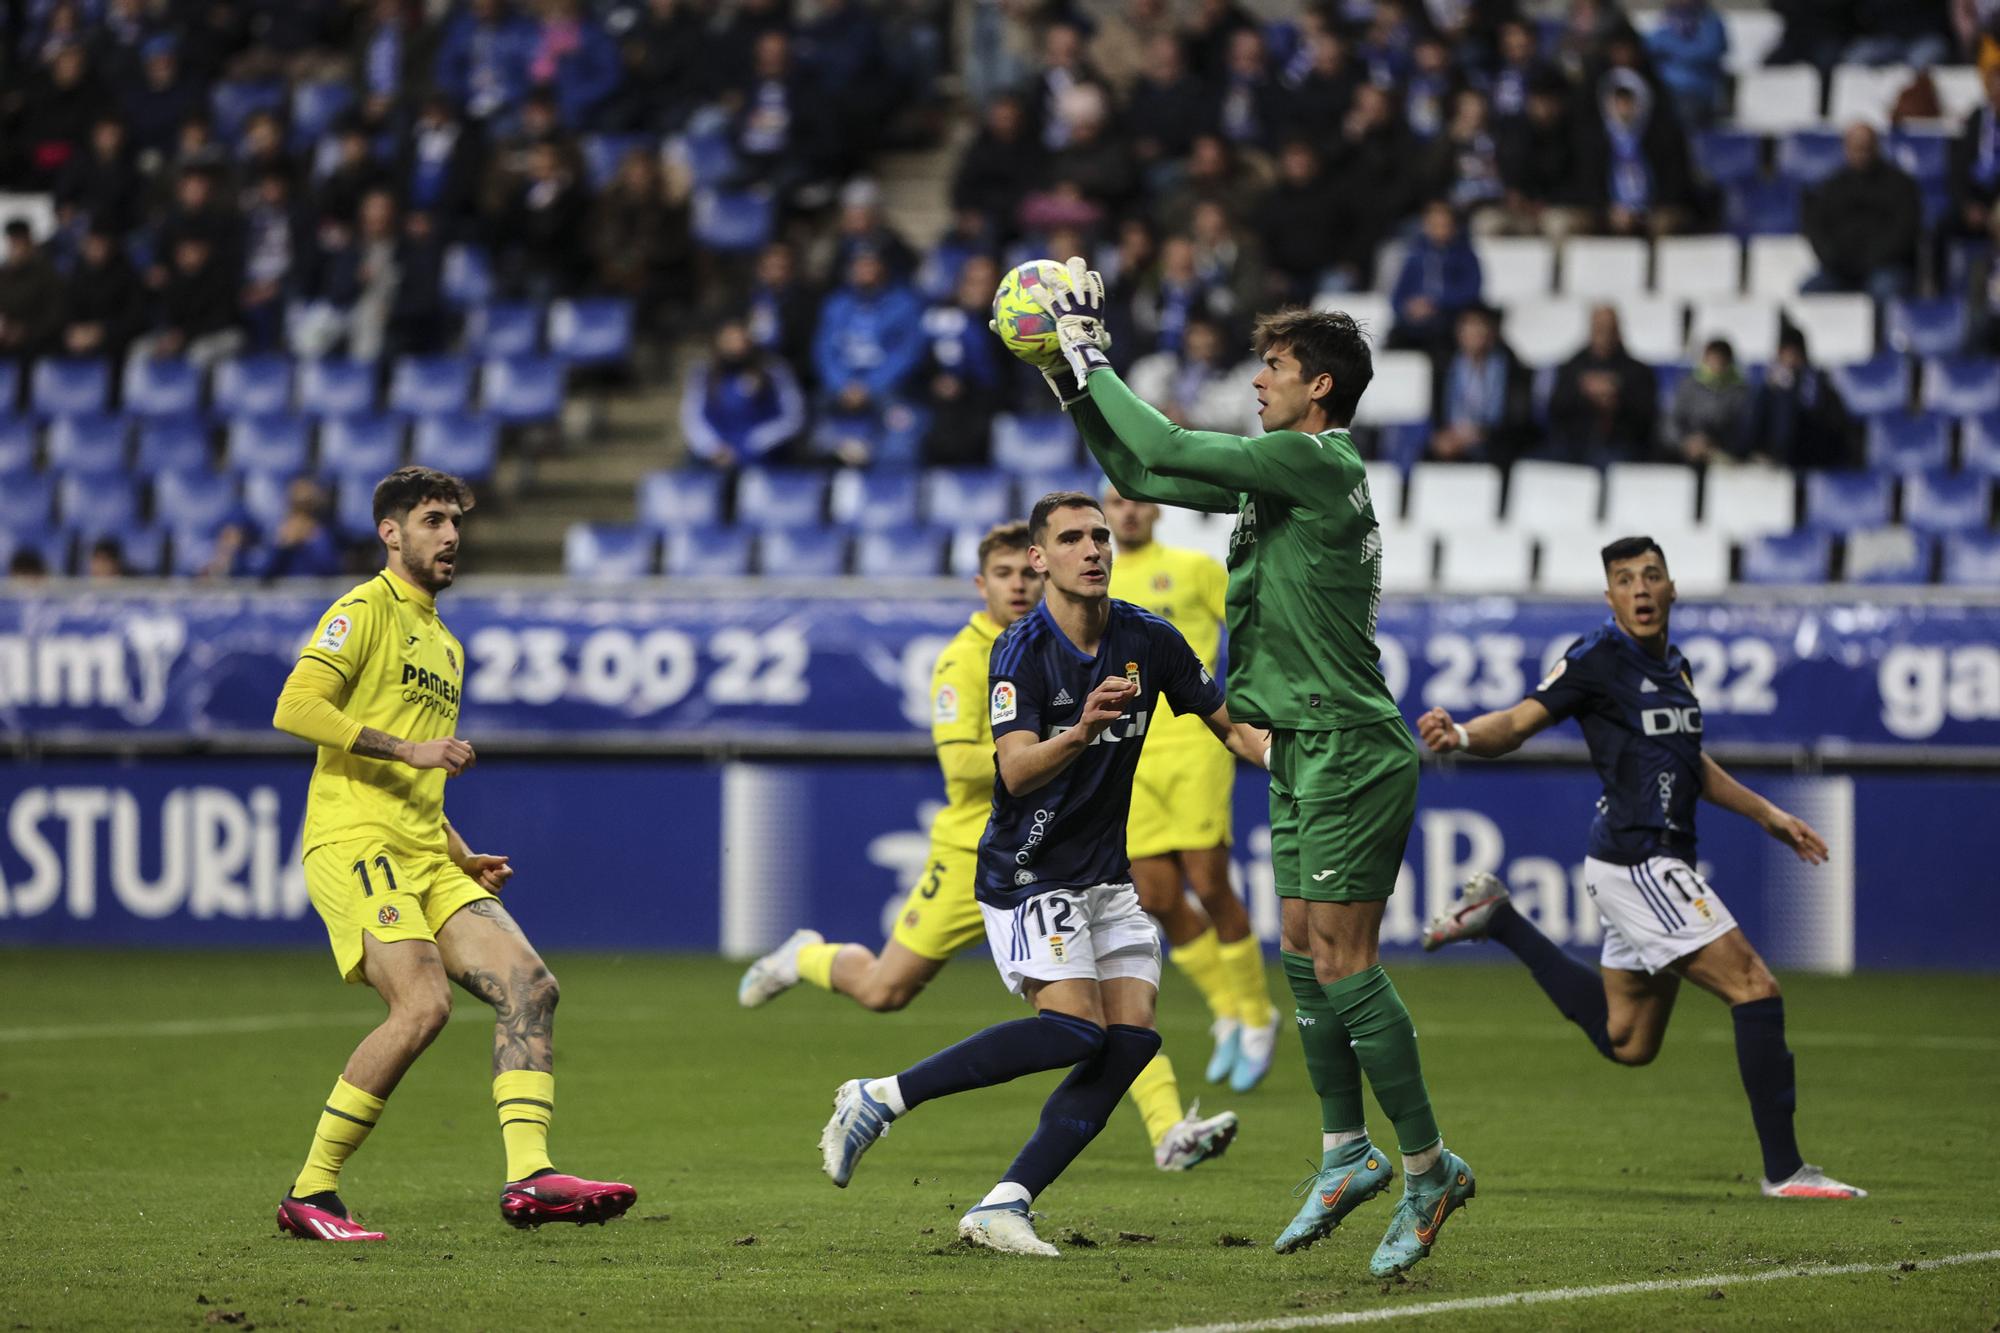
[1082,339]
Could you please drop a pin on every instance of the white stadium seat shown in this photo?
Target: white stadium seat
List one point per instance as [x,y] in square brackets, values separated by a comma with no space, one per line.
[1750,325]
[1552,497]
[1515,266]
[1485,560]
[1780,265]
[1453,495]
[1698,562]
[1371,311]
[1546,333]
[1691,266]
[1193,530]
[1839,326]
[1960,91]
[1750,501]
[1572,563]
[1385,491]
[1864,93]
[1753,35]
[1653,328]
[1778,99]
[1642,497]
[1597,267]
[1399,394]
[1407,557]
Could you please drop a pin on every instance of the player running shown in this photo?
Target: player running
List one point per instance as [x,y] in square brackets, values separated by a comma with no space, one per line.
[941,917]
[1629,690]
[1305,577]
[1073,687]
[405,901]
[1180,807]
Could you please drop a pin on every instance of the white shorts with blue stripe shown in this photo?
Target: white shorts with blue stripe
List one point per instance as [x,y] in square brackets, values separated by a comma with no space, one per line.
[1091,934]
[1654,912]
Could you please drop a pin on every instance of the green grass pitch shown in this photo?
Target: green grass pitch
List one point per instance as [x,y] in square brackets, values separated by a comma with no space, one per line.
[154,1106]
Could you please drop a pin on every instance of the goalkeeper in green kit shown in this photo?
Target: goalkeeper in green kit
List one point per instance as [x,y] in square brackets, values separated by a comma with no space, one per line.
[1305,578]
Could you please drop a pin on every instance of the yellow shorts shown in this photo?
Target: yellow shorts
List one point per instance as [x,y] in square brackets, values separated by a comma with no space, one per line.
[365,886]
[1180,801]
[941,917]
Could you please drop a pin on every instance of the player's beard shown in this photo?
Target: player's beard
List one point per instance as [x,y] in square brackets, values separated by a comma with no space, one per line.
[432,577]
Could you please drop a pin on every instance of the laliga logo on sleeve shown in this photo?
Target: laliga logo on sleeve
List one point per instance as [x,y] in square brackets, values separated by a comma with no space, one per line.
[335,634]
[945,707]
[1005,705]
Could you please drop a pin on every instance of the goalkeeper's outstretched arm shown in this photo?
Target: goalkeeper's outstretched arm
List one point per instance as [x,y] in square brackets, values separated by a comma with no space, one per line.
[1134,480]
[1234,463]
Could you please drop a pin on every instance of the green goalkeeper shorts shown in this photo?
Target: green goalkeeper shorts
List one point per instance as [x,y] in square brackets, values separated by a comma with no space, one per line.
[1342,803]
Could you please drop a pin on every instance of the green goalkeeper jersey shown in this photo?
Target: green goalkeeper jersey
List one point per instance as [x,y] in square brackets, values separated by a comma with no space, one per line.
[1305,561]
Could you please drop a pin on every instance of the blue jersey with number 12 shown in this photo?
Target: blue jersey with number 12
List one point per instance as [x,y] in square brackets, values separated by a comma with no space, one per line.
[1070,833]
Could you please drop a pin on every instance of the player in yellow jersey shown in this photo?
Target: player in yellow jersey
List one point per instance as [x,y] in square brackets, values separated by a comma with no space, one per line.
[407,904]
[1180,824]
[940,917]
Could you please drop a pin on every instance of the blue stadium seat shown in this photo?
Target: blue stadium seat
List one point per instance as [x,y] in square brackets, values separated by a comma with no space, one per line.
[1880,384]
[233,102]
[802,553]
[780,498]
[968,497]
[522,388]
[1034,442]
[27,503]
[875,501]
[468,277]
[193,499]
[88,442]
[1404,443]
[192,547]
[64,386]
[603,152]
[1962,386]
[427,385]
[1931,326]
[1979,450]
[593,332]
[160,387]
[732,221]
[1795,557]
[143,550]
[905,553]
[336,384]
[1089,479]
[265,498]
[1847,501]
[1947,501]
[504,328]
[1904,443]
[10,386]
[609,551]
[172,443]
[17,445]
[708,552]
[1763,208]
[53,546]
[1892,555]
[1729,157]
[97,506]
[706,148]
[369,443]
[1810,156]
[1972,559]
[462,443]
[315,108]
[1927,157]
[247,384]
[277,442]
[354,503]
[684,498]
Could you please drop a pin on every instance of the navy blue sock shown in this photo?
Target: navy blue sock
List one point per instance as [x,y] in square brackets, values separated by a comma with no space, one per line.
[1001,1054]
[1080,1105]
[1765,1063]
[1576,989]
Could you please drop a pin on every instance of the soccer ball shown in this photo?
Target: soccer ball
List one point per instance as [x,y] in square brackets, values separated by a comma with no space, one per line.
[1027,330]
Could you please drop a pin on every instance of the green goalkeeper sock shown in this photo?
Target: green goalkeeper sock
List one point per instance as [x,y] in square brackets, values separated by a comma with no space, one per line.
[1385,1043]
[1330,1062]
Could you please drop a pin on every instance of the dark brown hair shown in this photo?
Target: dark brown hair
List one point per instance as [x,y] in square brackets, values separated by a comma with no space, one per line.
[1038,520]
[407,487]
[1012,536]
[1325,342]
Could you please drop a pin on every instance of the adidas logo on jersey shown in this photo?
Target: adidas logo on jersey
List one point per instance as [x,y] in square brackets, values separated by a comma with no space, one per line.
[1062,699]
[1646,686]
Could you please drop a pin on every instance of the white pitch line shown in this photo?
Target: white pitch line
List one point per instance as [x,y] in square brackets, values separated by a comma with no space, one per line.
[1562,1294]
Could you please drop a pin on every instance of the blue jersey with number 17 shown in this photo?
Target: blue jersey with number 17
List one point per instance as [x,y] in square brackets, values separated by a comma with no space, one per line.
[1070,833]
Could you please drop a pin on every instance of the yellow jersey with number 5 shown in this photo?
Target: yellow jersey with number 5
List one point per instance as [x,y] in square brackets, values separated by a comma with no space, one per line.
[1187,590]
[401,672]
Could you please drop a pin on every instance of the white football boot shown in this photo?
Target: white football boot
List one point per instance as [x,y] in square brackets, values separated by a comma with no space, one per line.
[776,972]
[1006,1227]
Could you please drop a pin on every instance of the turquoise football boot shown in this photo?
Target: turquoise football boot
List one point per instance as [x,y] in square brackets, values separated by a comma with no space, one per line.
[1332,1192]
[1427,1201]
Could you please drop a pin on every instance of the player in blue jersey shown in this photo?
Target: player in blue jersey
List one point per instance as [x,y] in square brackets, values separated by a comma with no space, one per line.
[1629,690]
[1073,685]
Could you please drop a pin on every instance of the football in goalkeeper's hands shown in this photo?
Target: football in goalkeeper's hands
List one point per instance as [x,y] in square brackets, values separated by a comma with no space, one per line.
[1028,331]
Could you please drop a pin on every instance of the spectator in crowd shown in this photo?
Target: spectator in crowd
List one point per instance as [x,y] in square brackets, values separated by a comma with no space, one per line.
[1063,70]
[542,255]
[1250,106]
[777,123]
[1210,30]
[1228,264]
[740,405]
[842,44]
[102,184]
[60,101]
[1092,176]
[970,235]
[1373,147]
[1463,165]
[870,338]
[1168,107]
[1322,91]
[861,226]
[640,239]
[106,562]
[30,295]
[279,259]
[199,209]
[1637,160]
[673,69]
[509,163]
[1605,401]
[1481,407]
[303,546]
[1863,222]
[1440,277]
[1387,44]
[1428,89]
[104,302]
[27,565]
[421,321]
[359,277]
[355,173]
[1134,256]
[483,59]
[263,150]
[962,381]
[1000,164]
[1705,423]
[1170,295]
[1814,33]
[1898,32]
[1125,47]
[1975,165]
[1796,416]
[393,50]
[575,58]
[199,314]
[1213,172]
[1542,166]
[161,100]
[1199,386]
[441,166]
[1688,48]
[1519,67]
[1301,223]
[782,311]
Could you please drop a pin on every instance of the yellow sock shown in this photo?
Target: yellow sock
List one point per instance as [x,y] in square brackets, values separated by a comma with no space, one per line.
[350,1113]
[816,964]
[1157,1094]
[1243,964]
[1201,959]
[526,1101]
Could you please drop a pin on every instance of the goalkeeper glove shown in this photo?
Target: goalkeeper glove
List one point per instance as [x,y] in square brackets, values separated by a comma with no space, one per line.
[1082,340]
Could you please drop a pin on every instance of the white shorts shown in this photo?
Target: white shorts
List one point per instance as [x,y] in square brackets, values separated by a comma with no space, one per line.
[1654,912]
[1090,934]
